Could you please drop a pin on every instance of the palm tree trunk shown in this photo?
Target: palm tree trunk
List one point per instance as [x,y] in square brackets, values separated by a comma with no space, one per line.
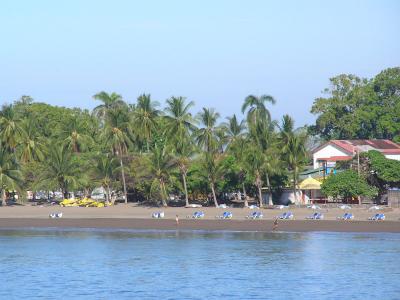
[107,194]
[123,177]
[269,192]
[163,193]
[259,186]
[294,187]
[246,203]
[3,198]
[185,188]
[214,196]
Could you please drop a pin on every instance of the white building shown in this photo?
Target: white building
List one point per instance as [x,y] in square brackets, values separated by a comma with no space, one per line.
[329,153]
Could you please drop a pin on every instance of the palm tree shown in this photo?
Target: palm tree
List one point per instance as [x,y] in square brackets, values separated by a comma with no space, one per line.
[213,170]
[234,130]
[179,126]
[257,110]
[75,134]
[145,117]
[10,176]
[60,169]
[30,145]
[255,162]
[295,155]
[104,172]
[10,129]
[206,137]
[158,167]
[117,135]
[110,101]
[272,166]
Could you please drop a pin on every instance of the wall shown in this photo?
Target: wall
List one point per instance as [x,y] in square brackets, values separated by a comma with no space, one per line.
[327,151]
[393,156]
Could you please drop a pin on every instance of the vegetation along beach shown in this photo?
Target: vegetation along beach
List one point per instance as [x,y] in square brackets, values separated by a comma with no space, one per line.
[144,160]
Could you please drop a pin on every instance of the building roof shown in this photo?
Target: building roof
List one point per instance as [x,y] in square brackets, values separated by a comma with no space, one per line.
[352,146]
[335,158]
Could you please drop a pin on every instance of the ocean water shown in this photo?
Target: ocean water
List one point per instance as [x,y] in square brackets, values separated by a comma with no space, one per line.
[101,264]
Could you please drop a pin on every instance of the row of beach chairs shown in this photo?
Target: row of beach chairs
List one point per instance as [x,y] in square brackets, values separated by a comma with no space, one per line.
[285,216]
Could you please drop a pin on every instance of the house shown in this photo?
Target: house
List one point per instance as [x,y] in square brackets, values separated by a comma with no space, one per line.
[326,155]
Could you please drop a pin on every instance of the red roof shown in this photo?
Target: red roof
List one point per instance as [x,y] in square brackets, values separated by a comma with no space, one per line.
[351,146]
[336,158]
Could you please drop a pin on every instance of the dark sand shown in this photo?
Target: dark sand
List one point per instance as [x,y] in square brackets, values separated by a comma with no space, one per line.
[229,225]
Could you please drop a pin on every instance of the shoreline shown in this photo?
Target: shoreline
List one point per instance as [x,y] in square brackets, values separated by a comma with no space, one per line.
[207,225]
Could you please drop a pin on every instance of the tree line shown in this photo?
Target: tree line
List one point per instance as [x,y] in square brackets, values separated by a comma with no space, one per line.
[147,151]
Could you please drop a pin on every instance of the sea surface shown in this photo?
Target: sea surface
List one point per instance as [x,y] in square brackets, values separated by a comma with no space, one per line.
[123,264]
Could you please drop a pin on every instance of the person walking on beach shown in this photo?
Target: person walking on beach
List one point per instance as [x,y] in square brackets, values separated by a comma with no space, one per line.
[177,220]
[275,226]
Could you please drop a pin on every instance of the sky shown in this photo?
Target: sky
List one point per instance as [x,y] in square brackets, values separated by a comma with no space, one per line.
[212,52]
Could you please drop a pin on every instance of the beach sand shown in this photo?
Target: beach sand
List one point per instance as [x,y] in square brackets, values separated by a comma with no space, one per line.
[136,217]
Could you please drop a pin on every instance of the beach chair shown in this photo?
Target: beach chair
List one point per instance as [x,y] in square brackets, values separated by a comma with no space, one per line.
[315,216]
[346,216]
[55,215]
[344,206]
[158,215]
[225,215]
[314,206]
[222,206]
[255,215]
[286,216]
[254,207]
[198,215]
[378,217]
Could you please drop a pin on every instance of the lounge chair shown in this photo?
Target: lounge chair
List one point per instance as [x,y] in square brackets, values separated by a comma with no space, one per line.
[225,215]
[254,207]
[255,215]
[55,215]
[286,216]
[314,206]
[375,207]
[198,215]
[377,217]
[344,206]
[346,216]
[222,206]
[158,215]
[315,216]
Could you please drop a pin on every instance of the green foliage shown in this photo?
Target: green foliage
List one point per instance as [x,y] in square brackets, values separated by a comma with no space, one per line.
[359,108]
[387,170]
[347,185]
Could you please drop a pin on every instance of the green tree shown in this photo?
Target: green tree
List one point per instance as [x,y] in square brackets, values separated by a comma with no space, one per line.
[347,185]
[117,136]
[145,117]
[206,136]
[357,108]
[60,170]
[104,170]
[179,126]
[109,101]
[10,175]
[10,129]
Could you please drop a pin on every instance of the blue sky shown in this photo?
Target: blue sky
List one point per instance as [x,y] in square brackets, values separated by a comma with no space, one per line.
[213,52]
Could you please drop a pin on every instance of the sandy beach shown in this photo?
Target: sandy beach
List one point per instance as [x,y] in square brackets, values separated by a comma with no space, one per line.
[134,217]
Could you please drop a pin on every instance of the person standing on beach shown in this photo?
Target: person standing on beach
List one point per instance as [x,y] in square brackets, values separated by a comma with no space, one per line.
[177,220]
[275,226]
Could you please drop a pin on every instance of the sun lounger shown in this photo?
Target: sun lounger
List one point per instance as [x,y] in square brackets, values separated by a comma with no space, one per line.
[343,206]
[375,207]
[222,206]
[286,216]
[158,215]
[198,215]
[225,215]
[55,215]
[346,216]
[377,217]
[315,216]
[314,206]
[254,207]
[255,215]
